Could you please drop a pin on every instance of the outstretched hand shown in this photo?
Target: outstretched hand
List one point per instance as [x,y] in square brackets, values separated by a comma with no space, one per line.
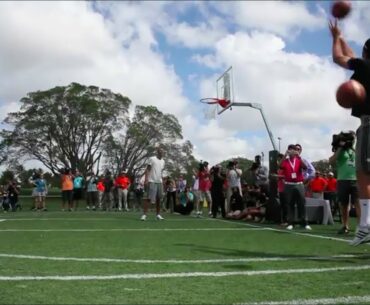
[334,29]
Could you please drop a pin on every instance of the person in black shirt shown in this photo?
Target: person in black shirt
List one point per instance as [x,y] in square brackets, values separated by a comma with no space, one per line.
[344,56]
[13,192]
[217,191]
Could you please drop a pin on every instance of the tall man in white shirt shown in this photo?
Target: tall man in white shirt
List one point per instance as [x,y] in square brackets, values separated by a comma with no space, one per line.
[153,181]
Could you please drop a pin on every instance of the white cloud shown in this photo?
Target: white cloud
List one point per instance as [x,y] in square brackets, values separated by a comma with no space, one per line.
[115,45]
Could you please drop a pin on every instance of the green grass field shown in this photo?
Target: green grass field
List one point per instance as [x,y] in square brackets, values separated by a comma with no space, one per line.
[88,257]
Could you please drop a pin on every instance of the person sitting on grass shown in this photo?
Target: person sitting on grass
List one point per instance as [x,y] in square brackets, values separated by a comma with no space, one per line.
[185,203]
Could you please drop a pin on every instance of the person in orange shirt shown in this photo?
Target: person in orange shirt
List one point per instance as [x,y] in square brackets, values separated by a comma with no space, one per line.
[67,189]
[317,186]
[330,193]
[122,184]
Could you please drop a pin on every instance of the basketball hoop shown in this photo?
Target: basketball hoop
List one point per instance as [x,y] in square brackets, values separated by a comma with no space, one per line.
[211,107]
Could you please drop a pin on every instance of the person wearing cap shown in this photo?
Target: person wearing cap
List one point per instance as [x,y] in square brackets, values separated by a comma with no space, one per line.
[344,56]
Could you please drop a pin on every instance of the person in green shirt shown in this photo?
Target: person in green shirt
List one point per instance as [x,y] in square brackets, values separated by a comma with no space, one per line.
[344,161]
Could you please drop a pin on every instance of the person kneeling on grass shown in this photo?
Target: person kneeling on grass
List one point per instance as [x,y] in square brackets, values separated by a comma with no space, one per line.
[186,202]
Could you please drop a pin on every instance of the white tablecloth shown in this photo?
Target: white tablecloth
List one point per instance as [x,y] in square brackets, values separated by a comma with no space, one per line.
[313,207]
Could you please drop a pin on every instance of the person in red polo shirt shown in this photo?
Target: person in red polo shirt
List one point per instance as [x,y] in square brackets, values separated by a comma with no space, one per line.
[317,186]
[122,183]
[292,168]
[330,193]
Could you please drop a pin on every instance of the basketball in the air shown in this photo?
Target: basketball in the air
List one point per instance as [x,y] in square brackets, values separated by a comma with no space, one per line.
[340,9]
[350,93]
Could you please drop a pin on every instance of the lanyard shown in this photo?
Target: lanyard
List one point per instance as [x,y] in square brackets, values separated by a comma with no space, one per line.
[292,164]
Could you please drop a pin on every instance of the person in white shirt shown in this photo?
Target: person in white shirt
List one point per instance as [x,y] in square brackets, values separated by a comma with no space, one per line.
[153,181]
[233,181]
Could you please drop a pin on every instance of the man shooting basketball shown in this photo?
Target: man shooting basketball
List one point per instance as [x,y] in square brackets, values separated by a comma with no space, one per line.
[345,57]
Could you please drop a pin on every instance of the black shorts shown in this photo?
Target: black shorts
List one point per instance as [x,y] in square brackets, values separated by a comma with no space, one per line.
[345,190]
[77,194]
[67,196]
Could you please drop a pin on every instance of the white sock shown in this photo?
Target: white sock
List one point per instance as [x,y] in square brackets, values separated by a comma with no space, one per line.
[365,213]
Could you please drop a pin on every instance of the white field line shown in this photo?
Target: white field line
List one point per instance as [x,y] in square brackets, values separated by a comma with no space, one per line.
[181,261]
[133,230]
[1,220]
[340,300]
[142,276]
[284,230]
[93,219]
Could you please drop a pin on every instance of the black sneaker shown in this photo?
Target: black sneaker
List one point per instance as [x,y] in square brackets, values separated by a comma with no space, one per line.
[343,230]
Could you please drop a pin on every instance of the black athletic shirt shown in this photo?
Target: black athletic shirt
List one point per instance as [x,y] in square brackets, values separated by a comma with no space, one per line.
[361,68]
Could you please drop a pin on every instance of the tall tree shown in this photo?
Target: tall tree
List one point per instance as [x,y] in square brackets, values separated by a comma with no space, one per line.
[148,128]
[66,126]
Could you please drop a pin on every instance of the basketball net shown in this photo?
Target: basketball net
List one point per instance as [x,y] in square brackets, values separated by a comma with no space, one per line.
[210,111]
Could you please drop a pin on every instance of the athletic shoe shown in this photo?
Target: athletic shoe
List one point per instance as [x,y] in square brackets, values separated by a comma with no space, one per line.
[119,209]
[143,217]
[159,217]
[308,228]
[290,227]
[362,236]
[343,230]
[87,208]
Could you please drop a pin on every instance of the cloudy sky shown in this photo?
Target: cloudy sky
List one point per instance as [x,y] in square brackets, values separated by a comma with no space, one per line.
[170,54]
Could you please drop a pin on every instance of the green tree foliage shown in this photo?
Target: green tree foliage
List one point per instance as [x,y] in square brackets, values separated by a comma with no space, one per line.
[148,128]
[65,126]
[323,166]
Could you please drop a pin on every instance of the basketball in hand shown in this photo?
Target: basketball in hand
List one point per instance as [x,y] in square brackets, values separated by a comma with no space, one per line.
[340,9]
[350,93]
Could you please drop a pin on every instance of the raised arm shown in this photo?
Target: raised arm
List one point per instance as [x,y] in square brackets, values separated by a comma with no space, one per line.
[341,51]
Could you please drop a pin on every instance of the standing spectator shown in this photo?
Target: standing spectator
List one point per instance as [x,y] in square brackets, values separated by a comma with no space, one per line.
[260,174]
[13,192]
[292,168]
[153,180]
[217,191]
[139,192]
[282,200]
[233,175]
[41,191]
[108,196]
[170,194]
[344,160]
[309,172]
[78,185]
[67,189]
[181,184]
[196,192]
[31,181]
[122,184]
[205,185]
[91,192]
[100,187]
[317,186]
[330,192]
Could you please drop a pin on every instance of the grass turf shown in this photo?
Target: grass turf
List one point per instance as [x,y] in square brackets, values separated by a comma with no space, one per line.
[112,235]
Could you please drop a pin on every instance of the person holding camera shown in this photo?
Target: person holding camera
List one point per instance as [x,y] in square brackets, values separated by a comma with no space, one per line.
[344,56]
[292,169]
[344,158]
